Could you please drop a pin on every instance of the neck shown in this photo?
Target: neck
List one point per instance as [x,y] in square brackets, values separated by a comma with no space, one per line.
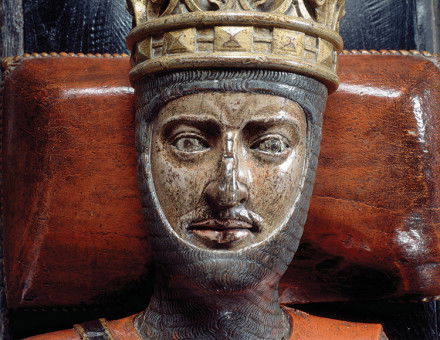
[184,313]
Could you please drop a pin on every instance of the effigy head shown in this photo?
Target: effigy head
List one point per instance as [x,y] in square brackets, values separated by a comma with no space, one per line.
[227,156]
[227,174]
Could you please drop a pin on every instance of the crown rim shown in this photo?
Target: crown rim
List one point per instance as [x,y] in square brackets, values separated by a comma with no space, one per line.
[228,60]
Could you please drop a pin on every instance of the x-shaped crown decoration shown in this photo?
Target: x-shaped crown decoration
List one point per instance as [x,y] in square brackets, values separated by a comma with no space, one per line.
[300,36]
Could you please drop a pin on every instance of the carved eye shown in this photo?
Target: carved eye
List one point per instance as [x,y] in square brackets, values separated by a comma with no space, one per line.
[190,143]
[272,144]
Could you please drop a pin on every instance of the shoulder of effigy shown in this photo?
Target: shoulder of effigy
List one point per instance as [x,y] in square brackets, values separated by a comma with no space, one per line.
[311,327]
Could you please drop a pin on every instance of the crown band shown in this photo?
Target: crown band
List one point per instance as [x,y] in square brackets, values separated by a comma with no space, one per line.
[261,19]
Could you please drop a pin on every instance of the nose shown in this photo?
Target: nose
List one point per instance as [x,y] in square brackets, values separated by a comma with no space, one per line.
[227,190]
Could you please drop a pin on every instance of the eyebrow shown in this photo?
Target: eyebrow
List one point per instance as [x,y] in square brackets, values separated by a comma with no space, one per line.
[258,120]
[190,119]
[274,120]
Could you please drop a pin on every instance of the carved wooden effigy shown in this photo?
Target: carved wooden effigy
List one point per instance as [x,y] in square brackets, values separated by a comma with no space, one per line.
[224,202]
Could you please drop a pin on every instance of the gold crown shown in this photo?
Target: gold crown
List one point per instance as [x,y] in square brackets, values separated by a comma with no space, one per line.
[298,36]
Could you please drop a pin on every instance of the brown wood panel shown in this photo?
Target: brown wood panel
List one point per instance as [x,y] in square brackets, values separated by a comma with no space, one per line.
[73,223]
[373,227]
[72,210]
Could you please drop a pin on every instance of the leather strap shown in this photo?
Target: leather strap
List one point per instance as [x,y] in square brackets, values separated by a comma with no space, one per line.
[93,330]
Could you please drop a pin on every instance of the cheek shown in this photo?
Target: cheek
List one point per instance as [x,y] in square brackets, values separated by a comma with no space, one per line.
[275,189]
[178,187]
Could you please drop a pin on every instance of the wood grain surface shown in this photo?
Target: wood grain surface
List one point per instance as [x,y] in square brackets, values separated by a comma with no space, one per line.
[88,26]
[11,43]
[373,24]
[11,28]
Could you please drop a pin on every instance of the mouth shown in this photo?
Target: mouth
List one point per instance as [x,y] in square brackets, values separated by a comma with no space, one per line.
[222,232]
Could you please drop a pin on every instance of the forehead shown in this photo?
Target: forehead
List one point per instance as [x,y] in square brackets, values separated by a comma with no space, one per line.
[232,108]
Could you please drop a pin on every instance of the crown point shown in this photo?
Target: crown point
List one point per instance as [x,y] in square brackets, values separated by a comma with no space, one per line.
[231,38]
[180,41]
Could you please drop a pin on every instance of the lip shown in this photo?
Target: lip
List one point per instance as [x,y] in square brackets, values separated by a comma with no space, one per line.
[222,232]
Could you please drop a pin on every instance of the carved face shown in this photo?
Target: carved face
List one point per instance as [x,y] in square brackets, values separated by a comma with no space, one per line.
[228,167]
[226,177]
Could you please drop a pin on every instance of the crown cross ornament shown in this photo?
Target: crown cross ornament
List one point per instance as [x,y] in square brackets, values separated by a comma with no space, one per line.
[298,36]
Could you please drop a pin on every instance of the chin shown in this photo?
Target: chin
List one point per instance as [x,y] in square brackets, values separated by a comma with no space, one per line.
[227,275]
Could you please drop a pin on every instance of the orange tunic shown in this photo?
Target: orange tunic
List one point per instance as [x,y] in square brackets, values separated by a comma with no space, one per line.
[122,329]
[304,326]
[309,327]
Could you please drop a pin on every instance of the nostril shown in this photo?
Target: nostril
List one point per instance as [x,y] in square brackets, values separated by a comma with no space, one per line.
[210,191]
